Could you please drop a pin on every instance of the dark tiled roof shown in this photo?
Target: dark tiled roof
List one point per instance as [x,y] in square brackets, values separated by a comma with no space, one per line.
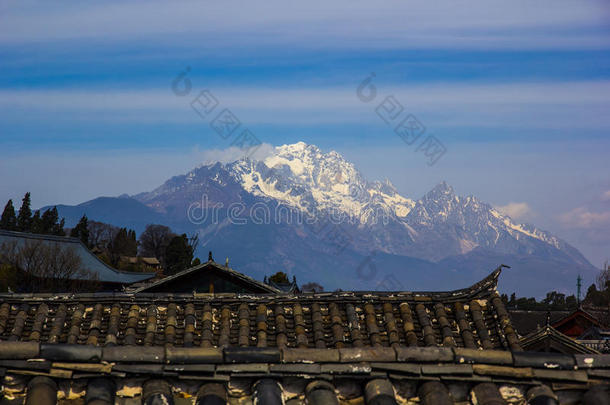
[90,262]
[549,338]
[437,375]
[353,347]
[579,313]
[474,318]
[290,287]
[526,322]
[595,333]
[254,284]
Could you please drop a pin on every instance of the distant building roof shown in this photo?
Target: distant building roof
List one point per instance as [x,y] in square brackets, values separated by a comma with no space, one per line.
[576,323]
[549,339]
[250,284]
[290,287]
[90,262]
[526,322]
[151,261]
[595,332]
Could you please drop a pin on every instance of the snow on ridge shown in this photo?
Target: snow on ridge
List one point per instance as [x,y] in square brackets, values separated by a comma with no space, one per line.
[535,233]
[304,177]
[331,182]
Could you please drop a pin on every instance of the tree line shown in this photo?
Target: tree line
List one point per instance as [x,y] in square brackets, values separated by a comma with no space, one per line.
[596,296]
[175,252]
[554,301]
[110,243]
[46,223]
[599,295]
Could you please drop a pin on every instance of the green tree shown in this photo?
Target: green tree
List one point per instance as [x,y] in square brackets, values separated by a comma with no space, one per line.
[8,221]
[24,219]
[597,297]
[123,244]
[132,243]
[36,223]
[58,229]
[154,241]
[571,302]
[279,278]
[49,221]
[81,230]
[178,255]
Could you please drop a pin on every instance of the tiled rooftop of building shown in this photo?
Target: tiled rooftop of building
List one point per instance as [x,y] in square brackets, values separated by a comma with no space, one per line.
[348,347]
[473,317]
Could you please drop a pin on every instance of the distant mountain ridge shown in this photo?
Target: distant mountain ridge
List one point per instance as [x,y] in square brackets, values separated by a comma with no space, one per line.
[121,211]
[442,231]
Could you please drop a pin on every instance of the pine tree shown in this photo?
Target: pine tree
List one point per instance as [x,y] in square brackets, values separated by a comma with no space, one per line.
[279,278]
[81,230]
[24,219]
[123,244]
[36,223]
[132,244]
[58,229]
[49,221]
[178,255]
[9,220]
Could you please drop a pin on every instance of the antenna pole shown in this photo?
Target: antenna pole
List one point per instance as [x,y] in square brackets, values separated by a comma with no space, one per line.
[578,286]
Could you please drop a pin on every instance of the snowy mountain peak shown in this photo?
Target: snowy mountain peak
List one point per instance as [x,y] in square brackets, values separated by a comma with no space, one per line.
[308,161]
[301,175]
[442,189]
[441,224]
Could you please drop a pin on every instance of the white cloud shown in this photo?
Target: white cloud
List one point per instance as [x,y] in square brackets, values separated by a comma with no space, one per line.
[516,210]
[582,217]
[233,153]
[606,196]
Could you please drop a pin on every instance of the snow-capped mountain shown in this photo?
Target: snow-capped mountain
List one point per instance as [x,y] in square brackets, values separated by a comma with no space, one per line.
[439,225]
[304,177]
[441,240]
[466,223]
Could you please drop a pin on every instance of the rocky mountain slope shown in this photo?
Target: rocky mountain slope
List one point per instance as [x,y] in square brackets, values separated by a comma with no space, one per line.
[305,211]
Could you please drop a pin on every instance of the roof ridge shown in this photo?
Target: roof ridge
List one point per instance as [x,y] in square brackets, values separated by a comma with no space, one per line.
[42,236]
[184,272]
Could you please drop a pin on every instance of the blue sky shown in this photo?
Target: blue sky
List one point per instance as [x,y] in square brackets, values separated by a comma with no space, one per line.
[518,92]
